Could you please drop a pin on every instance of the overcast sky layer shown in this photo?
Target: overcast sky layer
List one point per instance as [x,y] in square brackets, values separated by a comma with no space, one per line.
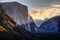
[36,4]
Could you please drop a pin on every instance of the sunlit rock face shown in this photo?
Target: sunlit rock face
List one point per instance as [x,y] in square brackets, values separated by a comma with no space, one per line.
[6,25]
[16,11]
[41,15]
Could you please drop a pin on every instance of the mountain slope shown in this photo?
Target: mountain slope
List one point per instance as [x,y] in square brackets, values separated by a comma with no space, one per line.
[17,11]
[10,30]
[51,25]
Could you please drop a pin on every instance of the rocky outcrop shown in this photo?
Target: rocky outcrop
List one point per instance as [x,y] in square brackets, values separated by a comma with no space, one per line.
[10,30]
[17,11]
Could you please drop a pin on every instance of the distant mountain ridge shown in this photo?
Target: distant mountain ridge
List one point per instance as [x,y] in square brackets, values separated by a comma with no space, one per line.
[52,25]
[43,14]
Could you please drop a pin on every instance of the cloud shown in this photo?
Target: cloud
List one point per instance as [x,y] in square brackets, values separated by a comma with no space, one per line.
[43,3]
[25,2]
[36,3]
[6,0]
[45,13]
[55,5]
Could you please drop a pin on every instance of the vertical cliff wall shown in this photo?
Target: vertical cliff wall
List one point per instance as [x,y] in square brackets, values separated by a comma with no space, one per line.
[16,11]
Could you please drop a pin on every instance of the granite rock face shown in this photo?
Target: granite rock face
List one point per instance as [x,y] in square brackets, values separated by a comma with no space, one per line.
[10,30]
[17,11]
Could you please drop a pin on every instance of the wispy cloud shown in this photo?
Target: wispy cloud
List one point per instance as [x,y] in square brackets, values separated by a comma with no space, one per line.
[7,0]
[56,5]
[36,3]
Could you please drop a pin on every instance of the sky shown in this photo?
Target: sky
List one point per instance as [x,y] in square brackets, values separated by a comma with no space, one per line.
[37,4]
